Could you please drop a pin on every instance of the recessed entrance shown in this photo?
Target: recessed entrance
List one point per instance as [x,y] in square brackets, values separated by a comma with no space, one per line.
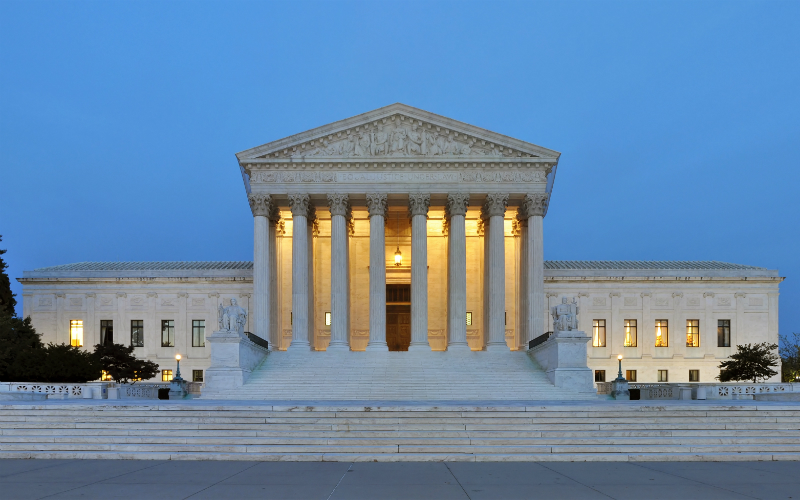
[398,317]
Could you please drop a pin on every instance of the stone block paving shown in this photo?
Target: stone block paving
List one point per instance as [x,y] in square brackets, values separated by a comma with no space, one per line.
[134,479]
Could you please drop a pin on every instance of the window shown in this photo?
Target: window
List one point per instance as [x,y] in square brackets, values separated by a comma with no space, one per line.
[106,332]
[167,333]
[598,333]
[630,333]
[662,333]
[692,333]
[724,333]
[76,332]
[469,318]
[105,377]
[197,375]
[198,333]
[137,333]
[694,375]
[663,376]
[630,375]
[599,375]
[327,319]
[166,375]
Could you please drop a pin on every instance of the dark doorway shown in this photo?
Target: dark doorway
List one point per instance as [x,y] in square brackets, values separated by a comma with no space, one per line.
[398,317]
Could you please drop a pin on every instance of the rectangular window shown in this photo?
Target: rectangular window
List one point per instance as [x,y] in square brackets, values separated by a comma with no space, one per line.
[469,318]
[166,375]
[197,375]
[694,375]
[598,333]
[167,333]
[662,333]
[630,333]
[692,333]
[137,333]
[630,375]
[327,319]
[198,333]
[724,333]
[76,332]
[663,376]
[106,332]
[599,375]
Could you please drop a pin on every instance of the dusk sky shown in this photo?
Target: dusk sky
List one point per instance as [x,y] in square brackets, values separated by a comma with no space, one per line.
[678,122]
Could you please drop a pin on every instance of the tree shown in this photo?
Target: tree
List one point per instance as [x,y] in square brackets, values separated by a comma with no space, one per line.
[790,357]
[119,362]
[7,300]
[19,349]
[66,363]
[750,362]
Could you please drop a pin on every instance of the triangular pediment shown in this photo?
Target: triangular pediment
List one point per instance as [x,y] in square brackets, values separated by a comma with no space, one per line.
[397,131]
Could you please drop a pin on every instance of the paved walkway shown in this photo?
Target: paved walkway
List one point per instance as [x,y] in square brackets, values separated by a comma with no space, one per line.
[112,479]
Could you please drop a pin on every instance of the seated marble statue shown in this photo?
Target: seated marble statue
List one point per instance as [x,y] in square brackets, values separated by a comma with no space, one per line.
[565,315]
[232,318]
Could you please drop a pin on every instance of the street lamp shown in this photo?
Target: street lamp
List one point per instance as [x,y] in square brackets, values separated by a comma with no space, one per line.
[619,387]
[176,385]
[178,369]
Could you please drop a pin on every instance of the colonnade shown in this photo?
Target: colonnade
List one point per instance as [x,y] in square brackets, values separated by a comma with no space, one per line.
[531,300]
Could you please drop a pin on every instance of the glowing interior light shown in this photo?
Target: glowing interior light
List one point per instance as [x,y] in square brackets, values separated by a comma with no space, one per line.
[658,334]
[178,357]
[398,257]
[627,334]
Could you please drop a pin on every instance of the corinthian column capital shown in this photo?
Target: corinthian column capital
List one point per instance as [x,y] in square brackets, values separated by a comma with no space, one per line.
[457,204]
[535,204]
[260,204]
[376,203]
[299,203]
[495,204]
[418,204]
[339,204]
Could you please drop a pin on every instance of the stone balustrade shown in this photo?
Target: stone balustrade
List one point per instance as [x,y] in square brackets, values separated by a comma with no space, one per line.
[712,390]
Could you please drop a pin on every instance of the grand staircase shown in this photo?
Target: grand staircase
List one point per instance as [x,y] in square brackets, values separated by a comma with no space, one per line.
[579,431]
[400,376]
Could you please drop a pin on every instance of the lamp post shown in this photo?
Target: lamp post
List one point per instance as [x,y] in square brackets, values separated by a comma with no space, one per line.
[619,387]
[177,386]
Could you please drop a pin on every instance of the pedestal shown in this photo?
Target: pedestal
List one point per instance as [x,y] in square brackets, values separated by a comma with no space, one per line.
[233,358]
[620,389]
[563,358]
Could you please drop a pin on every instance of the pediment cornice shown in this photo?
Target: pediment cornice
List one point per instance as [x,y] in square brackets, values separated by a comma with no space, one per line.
[397,133]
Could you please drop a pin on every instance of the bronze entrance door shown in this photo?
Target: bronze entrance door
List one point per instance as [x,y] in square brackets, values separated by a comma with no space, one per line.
[398,317]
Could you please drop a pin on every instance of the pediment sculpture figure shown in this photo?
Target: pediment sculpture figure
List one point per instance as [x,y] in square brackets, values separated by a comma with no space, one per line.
[232,318]
[565,315]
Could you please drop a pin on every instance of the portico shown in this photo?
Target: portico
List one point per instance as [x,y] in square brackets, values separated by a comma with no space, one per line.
[332,206]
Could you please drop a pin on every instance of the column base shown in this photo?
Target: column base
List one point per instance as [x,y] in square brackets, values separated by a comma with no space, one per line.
[459,347]
[422,346]
[299,345]
[338,346]
[498,347]
[377,346]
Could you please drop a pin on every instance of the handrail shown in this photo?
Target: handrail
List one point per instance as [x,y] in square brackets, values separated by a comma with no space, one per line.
[257,340]
[541,339]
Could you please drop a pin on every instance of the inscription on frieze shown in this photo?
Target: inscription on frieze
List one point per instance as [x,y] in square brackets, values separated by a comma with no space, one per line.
[370,177]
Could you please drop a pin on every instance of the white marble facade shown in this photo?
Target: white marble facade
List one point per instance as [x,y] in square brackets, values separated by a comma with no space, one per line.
[464,207]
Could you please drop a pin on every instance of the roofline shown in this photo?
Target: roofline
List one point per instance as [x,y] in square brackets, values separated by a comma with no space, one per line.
[385,111]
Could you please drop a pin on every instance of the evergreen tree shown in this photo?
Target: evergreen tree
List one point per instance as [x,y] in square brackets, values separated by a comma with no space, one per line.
[750,362]
[7,300]
[120,363]
[20,349]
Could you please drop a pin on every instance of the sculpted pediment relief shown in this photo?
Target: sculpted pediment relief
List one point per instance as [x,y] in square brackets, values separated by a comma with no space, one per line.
[397,131]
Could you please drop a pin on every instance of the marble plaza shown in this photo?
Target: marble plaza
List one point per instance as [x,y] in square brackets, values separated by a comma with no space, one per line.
[407,235]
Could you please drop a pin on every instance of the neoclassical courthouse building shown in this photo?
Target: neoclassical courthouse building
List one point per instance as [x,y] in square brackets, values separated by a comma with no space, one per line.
[403,230]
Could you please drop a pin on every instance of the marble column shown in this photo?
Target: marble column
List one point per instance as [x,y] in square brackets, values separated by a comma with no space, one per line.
[273,301]
[299,204]
[311,314]
[455,211]
[376,203]
[260,206]
[340,290]
[495,209]
[534,207]
[524,327]
[418,210]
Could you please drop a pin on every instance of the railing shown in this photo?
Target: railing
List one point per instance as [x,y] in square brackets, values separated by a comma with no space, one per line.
[541,339]
[712,390]
[257,340]
[139,390]
[66,389]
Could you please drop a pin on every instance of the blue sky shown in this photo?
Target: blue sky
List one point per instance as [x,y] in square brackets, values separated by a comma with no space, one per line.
[678,121]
